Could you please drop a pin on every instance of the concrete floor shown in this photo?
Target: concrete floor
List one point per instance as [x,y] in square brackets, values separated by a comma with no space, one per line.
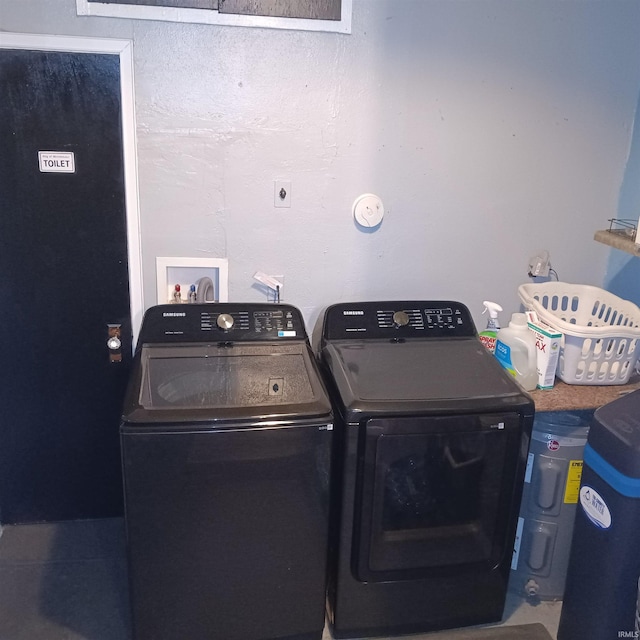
[517,611]
[64,581]
[68,581]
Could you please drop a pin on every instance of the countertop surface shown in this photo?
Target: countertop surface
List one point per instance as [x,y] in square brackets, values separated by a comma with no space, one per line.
[568,397]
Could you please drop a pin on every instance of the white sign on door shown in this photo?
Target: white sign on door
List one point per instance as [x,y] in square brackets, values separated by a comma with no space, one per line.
[57,161]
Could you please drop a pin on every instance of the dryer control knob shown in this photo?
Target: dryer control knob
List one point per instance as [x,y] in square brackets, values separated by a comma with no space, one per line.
[400,319]
[225,321]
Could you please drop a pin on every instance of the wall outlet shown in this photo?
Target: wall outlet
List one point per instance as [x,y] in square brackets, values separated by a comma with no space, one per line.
[278,296]
[539,265]
[282,193]
[273,286]
[275,294]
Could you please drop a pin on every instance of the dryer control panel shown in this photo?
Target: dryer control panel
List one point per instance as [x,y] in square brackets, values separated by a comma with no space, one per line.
[221,322]
[404,319]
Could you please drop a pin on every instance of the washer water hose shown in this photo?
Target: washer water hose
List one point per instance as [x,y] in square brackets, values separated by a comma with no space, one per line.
[204,290]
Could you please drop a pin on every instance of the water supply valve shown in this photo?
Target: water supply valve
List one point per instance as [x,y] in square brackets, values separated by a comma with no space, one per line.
[531,589]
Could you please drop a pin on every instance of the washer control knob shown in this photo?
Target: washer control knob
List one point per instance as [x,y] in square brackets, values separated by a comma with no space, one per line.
[225,321]
[400,319]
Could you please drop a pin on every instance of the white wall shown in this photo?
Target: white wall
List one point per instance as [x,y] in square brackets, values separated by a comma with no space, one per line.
[490,128]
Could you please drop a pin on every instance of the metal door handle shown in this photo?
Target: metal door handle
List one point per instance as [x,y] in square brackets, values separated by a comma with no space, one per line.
[114,342]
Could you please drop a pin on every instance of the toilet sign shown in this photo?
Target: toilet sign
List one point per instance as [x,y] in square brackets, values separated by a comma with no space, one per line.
[57,161]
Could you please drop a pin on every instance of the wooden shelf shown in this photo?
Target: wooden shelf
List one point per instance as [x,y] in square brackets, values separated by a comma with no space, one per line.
[618,241]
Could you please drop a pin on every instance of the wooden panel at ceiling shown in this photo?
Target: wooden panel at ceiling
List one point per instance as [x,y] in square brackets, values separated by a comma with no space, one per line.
[184,4]
[312,9]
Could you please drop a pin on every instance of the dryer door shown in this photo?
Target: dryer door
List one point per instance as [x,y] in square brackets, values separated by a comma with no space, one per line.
[436,494]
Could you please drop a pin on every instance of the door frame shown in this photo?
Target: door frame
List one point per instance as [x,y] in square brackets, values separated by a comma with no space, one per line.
[124,49]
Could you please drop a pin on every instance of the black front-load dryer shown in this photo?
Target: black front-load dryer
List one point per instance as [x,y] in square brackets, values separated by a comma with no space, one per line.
[226,445]
[430,454]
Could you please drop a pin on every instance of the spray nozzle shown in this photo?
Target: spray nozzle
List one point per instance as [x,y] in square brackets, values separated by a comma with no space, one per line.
[492,307]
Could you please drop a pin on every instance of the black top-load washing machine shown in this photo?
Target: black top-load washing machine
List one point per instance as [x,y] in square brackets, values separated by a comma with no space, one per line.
[430,454]
[226,445]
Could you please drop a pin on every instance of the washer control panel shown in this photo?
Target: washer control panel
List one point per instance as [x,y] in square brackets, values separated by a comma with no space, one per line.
[221,322]
[404,319]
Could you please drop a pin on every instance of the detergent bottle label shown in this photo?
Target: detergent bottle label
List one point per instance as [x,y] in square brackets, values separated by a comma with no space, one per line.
[503,354]
[488,339]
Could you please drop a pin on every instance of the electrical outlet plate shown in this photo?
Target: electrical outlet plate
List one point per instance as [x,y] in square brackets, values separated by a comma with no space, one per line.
[187,271]
[282,193]
[273,285]
[539,265]
[278,295]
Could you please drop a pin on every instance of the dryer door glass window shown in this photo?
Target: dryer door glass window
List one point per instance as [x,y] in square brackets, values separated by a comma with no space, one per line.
[435,492]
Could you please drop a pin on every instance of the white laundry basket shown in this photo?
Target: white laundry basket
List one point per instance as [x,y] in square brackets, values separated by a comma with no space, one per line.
[601,331]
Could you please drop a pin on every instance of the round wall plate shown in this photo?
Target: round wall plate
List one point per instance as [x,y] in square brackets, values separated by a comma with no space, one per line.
[368,210]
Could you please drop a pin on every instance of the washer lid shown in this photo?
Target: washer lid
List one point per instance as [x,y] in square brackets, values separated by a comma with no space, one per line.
[418,375]
[225,381]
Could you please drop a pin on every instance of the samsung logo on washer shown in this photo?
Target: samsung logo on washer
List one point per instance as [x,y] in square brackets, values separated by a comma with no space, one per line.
[174,314]
[353,313]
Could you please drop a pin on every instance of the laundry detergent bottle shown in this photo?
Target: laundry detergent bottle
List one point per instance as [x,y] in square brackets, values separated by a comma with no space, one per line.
[489,336]
[516,351]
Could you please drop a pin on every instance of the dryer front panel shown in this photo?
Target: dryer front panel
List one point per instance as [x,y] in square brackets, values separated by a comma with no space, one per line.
[434,494]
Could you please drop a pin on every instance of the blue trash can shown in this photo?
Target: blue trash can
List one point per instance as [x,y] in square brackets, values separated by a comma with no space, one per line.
[601,593]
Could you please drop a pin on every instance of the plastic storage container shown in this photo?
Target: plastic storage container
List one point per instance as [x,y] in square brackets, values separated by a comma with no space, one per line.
[601,331]
[601,594]
[549,501]
[516,351]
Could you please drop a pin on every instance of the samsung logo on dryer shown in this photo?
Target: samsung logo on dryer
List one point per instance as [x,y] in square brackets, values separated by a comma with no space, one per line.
[174,314]
[353,313]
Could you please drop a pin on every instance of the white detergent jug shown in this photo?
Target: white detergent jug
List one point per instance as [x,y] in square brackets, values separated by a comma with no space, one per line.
[516,351]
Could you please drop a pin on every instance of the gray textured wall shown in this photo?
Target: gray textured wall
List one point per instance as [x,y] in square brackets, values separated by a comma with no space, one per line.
[490,128]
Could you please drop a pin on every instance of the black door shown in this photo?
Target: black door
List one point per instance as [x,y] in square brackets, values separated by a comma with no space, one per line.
[63,281]
[436,494]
